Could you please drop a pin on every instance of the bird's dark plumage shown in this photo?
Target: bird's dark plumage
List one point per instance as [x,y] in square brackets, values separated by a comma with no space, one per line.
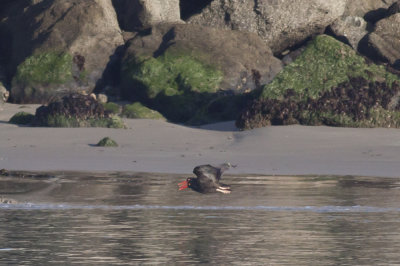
[208,179]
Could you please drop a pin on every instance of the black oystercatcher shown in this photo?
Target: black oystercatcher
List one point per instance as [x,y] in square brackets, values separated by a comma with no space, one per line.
[207,180]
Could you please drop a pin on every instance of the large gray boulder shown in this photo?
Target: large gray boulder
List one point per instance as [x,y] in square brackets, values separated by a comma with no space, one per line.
[350,29]
[358,16]
[383,44]
[394,8]
[4,94]
[178,69]
[244,59]
[370,10]
[139,14]
[4,5]
[58,46]
[280,23]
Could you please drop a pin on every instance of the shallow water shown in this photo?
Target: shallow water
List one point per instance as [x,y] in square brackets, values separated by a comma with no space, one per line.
[119,219]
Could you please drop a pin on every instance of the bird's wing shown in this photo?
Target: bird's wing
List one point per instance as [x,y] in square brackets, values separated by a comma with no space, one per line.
[204,172]
[222,168]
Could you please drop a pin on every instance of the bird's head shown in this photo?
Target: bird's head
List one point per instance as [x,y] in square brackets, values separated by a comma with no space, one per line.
[229,165]
[185,184]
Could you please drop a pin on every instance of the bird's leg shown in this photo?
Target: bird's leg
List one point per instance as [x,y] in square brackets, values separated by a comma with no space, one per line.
[223,190]
[223,186]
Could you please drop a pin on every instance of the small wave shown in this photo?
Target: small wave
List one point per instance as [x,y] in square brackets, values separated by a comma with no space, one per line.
[318,209]
[7,249]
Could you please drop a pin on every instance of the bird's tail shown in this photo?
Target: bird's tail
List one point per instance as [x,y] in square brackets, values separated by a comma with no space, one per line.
[231,165]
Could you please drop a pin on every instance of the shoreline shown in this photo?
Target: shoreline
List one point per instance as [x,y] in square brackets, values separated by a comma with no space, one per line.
[151,146]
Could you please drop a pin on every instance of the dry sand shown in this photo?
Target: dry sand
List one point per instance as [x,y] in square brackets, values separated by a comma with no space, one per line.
[156,146]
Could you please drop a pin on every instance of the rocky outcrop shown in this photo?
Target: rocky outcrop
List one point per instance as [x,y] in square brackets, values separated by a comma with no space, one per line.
[370,10]
[202,67]
[75,110]
[184,60]
[192,7]
[358,17]
[74,105]
[138,14]
[4,94]
[330,84]
[394,8]
[280,23]
[383,44]
[4,6]
[356,103]
[350,29]
[58,46]
[138,110]
[243,58]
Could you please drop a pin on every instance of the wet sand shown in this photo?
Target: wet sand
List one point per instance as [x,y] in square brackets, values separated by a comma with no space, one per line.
[161,147]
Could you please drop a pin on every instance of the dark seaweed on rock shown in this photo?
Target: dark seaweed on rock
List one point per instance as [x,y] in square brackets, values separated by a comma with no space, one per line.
[74,106]
[356,103]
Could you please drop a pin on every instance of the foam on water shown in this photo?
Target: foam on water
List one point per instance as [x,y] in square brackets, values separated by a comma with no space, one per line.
[317,209]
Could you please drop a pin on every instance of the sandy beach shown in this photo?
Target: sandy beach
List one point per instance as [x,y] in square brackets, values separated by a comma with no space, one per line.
[162,147]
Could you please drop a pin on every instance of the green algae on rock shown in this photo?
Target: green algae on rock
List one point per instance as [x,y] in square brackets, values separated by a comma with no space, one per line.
[173,75]
[325,63]
[107,142]
[21,118]
[69,43]
[179,69]
[44,76]
[175,84]
[65,121]
[112,107]
[356,103]
[40,75]
[76,110]
[45,68]
[328,84]
[138,110]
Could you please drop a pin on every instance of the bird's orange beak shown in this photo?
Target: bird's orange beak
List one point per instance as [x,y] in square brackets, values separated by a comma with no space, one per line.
[183,185]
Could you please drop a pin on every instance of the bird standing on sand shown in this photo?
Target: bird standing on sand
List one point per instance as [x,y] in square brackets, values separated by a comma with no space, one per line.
[207,179]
